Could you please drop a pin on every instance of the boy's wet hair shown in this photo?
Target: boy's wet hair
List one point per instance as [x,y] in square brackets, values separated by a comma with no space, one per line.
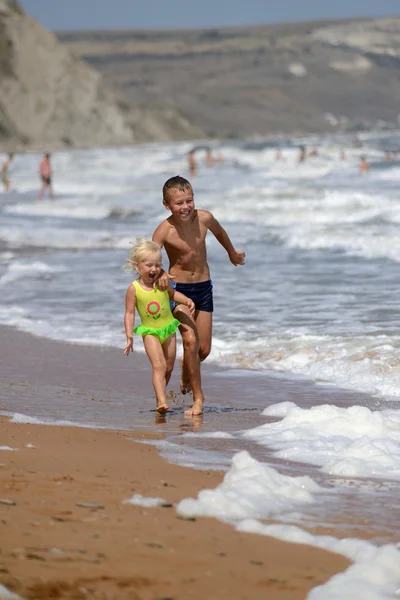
[141,251]
[175,183]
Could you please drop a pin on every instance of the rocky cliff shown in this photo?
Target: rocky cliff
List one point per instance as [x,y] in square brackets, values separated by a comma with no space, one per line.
[299,77]
[49,98]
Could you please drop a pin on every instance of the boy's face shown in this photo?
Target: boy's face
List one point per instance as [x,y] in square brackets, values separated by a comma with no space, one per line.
[180,203]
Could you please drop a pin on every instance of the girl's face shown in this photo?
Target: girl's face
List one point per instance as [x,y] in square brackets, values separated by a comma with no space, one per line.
[150,269]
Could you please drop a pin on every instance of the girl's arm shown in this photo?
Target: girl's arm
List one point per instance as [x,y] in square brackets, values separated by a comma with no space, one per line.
[129,318]
[181,299]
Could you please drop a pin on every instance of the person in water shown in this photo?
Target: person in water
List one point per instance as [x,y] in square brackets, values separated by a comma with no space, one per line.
[363,167]
[4,171]
[192,163]
[183,235]
[158,325]
[302,154]
[45,172]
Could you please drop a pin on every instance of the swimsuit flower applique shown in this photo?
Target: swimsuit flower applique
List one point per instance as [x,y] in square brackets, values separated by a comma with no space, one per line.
[153,309]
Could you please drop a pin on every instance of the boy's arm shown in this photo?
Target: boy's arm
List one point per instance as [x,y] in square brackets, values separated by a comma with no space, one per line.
[236,258]
[159,234]
[181,299]
[129,318]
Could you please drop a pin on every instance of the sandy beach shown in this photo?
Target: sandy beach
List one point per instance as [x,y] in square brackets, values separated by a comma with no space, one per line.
[65,530]
[55,546]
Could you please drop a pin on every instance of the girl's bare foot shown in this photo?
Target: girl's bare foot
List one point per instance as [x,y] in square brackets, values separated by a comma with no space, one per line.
[162,408]
[196,409]
[185,386]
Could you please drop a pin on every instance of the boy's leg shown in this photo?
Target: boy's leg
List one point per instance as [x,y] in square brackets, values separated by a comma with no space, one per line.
[169,351]
[191,377]
[203,322]
[155,353]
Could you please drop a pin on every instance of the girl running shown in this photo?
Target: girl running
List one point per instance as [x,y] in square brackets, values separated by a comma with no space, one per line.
[158,326]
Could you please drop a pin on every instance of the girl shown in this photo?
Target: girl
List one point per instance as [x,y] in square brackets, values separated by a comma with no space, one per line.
[158,325]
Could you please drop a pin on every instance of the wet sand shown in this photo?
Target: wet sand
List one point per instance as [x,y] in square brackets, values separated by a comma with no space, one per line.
[55,546]
[65,532]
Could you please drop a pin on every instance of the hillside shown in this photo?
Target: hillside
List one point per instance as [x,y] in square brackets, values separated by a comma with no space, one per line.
[49,98]
[301,77]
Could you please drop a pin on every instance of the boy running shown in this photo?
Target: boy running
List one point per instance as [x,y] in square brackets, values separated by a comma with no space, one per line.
[183,236]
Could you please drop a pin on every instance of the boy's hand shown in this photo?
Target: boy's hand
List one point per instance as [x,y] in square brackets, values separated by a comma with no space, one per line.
[128,347]
[163,281]
[192,307]
[237,258]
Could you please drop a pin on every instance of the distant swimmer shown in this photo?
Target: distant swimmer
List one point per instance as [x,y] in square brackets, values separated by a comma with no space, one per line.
[220,158]
[4,171]
[343,155]
[192,163]
[45,172]
[302,154]
[363,166]
[209,159]
[356,142]
[313,152]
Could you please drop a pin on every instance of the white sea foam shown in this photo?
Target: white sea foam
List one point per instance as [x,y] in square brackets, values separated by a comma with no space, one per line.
[63,208]
[365,363]
[252,491]
[375,574]
[32,420]
[21,269]
[222,435]
[5,594]
[145,501]
[349,442]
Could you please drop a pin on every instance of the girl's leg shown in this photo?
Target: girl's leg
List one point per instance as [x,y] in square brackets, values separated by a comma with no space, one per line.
[155,353]
[169,350]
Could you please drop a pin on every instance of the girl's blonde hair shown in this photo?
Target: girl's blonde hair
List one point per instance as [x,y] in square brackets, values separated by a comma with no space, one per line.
[141,251]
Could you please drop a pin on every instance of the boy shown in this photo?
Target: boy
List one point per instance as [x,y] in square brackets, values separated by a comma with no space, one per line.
[183,236]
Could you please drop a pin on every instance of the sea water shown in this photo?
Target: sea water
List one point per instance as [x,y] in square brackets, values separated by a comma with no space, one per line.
[317,301]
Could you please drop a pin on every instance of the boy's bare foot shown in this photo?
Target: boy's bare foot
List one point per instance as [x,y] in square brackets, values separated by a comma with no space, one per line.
[162,408]
[185,386]
[196,409]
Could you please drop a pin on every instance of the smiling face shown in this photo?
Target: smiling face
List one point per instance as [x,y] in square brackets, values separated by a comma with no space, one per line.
[150,269]
[180,203]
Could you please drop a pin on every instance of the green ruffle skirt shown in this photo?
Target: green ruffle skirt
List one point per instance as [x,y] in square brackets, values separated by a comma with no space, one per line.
[162,333]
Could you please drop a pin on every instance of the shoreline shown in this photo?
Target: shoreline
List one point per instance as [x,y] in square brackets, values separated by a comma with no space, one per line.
[51,545]
[65,528]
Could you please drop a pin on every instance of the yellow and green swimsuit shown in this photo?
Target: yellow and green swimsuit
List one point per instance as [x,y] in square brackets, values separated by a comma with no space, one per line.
[155,313]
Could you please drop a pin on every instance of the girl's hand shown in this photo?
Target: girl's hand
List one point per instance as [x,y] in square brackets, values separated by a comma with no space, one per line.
[128,347]
[191,306]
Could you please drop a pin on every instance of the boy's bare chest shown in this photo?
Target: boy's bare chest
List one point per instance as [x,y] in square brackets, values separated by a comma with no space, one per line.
[188,240]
